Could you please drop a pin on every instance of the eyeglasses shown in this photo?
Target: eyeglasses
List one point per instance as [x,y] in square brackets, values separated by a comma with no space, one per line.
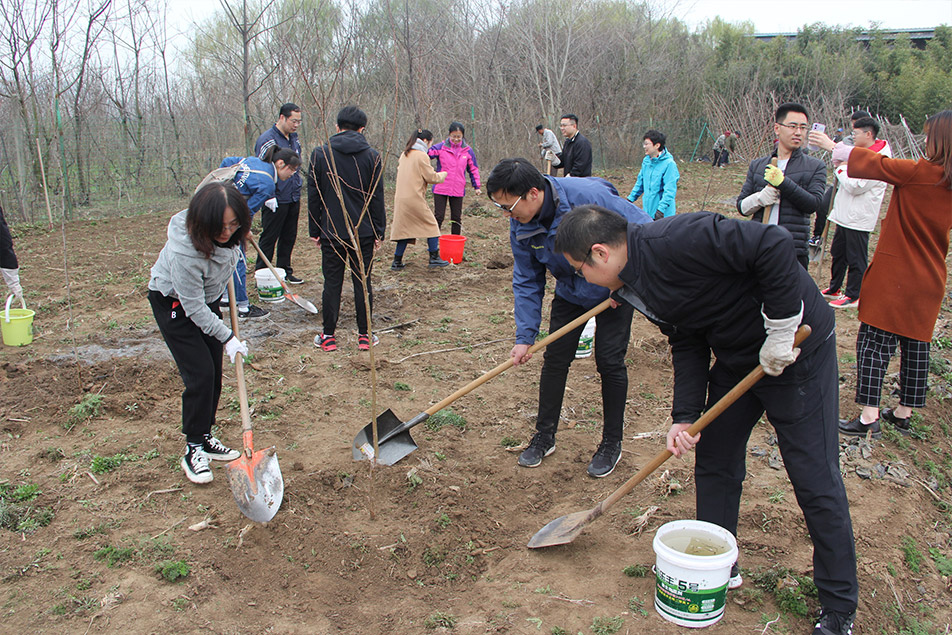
[233,225]
[509,209]
[578,270]
[802,127]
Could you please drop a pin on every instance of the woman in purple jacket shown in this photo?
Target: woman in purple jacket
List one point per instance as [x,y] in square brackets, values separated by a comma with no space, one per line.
[455,157]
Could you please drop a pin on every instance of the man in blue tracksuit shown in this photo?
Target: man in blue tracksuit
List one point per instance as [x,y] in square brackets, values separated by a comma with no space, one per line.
[658,179]
[279,227]
[535,205]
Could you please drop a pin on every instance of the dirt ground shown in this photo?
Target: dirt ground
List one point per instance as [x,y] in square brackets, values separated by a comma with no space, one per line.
[434,543]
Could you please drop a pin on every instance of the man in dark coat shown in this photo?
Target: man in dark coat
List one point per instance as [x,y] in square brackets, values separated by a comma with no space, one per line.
[346,170]
[576,155]
[732,290]
[791,190]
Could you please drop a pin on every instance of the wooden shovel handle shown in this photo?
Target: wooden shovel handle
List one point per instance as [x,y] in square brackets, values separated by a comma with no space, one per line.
[574,324]
[722,404]
[240,374]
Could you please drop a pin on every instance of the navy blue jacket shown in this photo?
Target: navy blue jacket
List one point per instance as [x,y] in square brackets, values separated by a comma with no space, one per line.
[532,251]
[287,191]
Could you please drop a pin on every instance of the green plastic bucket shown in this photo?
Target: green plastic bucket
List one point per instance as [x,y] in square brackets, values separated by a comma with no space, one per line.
[16,325]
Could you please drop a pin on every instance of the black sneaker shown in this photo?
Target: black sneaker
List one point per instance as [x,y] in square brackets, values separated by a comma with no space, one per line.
[902,426]
[605,459]
[195,464]
[541,446]
[218,451]
[253,312]
[736,578]
[293,279]
[856,428]
[834,623]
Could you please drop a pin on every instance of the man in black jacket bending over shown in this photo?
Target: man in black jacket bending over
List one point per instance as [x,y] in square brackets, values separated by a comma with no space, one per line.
[791,190]
[734,289]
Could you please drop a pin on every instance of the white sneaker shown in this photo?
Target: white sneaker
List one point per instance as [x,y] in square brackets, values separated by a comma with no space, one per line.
[736,579]
[195,464]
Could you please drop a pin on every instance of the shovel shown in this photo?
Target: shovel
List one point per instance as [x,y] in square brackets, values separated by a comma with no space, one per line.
[255,477]
[565,529]
[393,436]
[298,300]
[766,217]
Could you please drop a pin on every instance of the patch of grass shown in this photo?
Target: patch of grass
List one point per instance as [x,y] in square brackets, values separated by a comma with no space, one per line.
[114,556]
[636,571]
[793,593]
[87,532]
[180,604]
[443,521]
[777,496]
[911,554]
[88,407]
[413,480]
[510,442]
[399,385]
[637,605]
[172,570]
[19,511]
[445,417]
[942,563]
[103,464]
[433,556]
[439,619]
[607,625]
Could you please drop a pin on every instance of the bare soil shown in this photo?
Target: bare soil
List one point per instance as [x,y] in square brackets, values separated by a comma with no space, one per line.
[434,543]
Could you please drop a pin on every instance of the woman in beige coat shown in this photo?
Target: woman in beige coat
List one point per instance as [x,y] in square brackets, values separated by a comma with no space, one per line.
[412,217]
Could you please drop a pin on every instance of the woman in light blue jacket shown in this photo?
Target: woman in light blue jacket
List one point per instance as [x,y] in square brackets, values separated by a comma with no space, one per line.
[658,179]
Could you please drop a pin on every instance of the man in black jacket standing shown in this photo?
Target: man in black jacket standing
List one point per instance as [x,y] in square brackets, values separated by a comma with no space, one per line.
[346,175]
[576,152]
[733,290]
[791,190]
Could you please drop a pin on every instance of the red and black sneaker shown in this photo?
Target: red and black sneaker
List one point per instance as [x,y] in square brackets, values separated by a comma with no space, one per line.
[363,341]
[327,343]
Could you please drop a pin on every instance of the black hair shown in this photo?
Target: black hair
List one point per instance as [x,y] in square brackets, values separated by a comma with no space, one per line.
[540,127]
[351,118]
[514,177]
[869,123]
[454,126]
[587,225]
[424,134]
[275,154]
[206,213]
[656,137]
[570,116]
[859,114]
[287,109]
[789,107]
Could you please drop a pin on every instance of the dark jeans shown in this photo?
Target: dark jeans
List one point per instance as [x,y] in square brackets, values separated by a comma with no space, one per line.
[279,228]
[335,257]
[849,251]
[456,211]
[802,405]
[612,331]
[717,158]
[199,360]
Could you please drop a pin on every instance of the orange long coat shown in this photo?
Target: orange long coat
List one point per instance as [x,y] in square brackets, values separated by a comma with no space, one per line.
[905,282]
[412,216]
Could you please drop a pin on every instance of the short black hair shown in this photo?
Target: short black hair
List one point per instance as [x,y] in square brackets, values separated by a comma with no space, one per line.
[351,118]
[656,137]
[570,116]
[287,109]
[789,107]
[586,225]
[859,114]
[206,213]
[514,177]
[868,123]
[455,125]
[540,127]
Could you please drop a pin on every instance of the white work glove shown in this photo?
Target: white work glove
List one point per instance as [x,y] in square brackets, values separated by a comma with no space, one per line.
[765,198]
[778,352]
[235,346]
[12,278]
[271,203]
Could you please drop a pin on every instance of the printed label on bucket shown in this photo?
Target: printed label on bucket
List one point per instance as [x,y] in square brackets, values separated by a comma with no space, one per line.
[683,600]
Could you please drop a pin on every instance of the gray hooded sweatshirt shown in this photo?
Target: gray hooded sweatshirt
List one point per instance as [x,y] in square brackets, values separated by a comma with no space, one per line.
[183,272]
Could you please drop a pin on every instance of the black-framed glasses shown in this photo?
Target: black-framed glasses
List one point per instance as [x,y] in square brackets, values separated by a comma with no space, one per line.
[509,209]
[578,270]
[802,127]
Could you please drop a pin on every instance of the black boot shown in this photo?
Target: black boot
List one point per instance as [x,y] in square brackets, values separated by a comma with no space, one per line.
[397,264]
[436,261]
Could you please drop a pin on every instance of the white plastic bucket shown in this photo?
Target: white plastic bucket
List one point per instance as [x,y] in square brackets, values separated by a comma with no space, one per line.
[692,567]
[269,287]
[586,341]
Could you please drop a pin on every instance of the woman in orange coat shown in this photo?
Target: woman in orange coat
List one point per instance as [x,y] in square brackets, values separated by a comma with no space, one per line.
[905,283]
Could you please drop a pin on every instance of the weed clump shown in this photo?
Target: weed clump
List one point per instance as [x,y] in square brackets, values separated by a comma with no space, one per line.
[172,570]
[445,417]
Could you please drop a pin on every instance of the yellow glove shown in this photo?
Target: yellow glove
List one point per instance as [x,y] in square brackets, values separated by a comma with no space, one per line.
[773,175]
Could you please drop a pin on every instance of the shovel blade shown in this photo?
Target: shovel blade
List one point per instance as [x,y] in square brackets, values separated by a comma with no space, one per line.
[562,530]
[257,484]
[392,449]
[301,302]
[814,252]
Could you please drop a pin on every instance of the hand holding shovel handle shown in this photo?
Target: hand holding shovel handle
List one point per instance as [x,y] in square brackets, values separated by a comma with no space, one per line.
[766,217]
[565,529]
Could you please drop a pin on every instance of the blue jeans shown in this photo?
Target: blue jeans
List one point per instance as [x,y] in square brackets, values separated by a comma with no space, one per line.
[432,244]
[240,275]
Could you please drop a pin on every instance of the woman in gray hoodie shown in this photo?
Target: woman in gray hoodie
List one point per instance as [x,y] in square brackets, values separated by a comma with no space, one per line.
[188,279]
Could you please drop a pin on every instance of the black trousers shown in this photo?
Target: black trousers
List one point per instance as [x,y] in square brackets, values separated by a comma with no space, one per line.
[279,228]
[199,360]
[8,258]
[456,211]
[612,331]
[802,405]
[335,257]
[849,253]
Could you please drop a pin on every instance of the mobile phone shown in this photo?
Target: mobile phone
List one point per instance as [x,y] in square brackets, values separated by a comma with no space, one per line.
[819,127]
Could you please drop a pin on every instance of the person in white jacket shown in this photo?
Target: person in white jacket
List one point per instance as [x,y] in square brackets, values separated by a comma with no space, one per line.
[855,212]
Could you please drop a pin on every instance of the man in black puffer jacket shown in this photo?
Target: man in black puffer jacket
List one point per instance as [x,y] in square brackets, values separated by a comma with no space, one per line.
[790,191]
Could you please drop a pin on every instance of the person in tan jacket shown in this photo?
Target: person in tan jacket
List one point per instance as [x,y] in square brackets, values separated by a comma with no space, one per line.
[412,217]
[904,285]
